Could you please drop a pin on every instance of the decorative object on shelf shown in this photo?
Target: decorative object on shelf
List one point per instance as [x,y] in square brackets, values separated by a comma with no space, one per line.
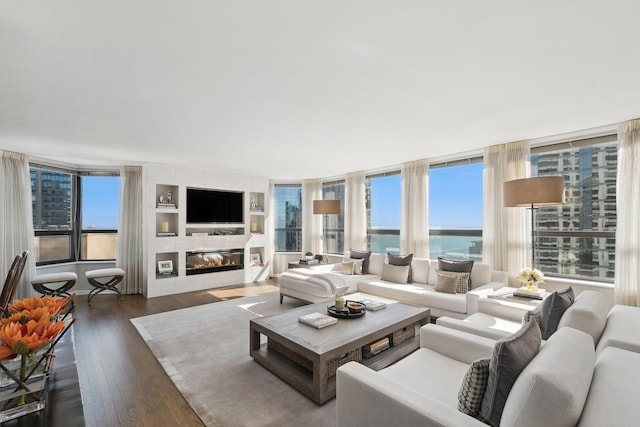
[255,259]
[164,227]
[308,255]
[255,206]
[533,192]
[165,200]
[32,325]
[165,267]
[531,277]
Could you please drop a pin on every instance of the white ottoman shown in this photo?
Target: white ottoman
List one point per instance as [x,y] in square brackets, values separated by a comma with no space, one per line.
[42,283]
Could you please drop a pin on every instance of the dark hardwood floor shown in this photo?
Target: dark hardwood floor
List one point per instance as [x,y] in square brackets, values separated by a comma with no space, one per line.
[122,383]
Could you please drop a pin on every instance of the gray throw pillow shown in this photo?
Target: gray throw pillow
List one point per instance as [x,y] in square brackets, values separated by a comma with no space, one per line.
[552,309]
[456,266]
[395,273]
[364,256]
[510,356]
[535,314]
[473,387]
[401,260]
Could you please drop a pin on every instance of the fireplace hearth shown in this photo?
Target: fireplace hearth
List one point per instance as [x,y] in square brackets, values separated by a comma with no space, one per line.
[214,260]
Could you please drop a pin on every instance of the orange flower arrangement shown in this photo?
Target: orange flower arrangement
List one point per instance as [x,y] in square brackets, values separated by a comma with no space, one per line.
[30,326]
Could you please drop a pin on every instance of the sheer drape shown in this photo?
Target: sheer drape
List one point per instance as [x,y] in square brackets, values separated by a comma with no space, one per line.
[506,235]
[355,213]
[16,219]
[130,242]
[414,224]
[627,275]
[311,224]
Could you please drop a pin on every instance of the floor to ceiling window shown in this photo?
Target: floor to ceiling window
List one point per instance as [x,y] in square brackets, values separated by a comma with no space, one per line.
[577,239]
[333,225]
[383,194]
[455,209]
[287,200]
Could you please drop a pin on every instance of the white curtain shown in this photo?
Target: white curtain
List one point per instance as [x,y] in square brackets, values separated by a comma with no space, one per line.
[627,274]
[506,235]
[311,224]
[129,255]
[355,212]
[414,224]
[16,220]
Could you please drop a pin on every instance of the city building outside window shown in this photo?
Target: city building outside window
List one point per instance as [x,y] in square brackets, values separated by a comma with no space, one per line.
[455,209]
[52,194]
[74,217]
[333,225]
[577,239]
[287,201]
[384,202]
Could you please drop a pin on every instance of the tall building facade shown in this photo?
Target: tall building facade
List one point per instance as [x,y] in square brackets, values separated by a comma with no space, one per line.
[577,238]
[50,199]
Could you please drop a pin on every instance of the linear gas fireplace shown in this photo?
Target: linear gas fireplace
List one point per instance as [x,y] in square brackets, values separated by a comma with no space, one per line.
[214,260]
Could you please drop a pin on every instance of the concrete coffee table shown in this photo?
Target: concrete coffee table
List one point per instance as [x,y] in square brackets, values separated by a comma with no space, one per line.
[307,358]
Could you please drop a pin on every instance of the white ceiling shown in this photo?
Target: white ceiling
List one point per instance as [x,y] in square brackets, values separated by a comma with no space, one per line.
[307,89]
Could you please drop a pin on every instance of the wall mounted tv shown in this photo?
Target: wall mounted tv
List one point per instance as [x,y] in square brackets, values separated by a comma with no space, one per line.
[215,206]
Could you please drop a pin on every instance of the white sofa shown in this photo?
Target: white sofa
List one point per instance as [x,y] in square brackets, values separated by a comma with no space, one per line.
[563,385]
[588,314]
[316,285]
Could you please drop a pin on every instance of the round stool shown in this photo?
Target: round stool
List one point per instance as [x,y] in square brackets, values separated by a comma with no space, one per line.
[110,278]
[67,279]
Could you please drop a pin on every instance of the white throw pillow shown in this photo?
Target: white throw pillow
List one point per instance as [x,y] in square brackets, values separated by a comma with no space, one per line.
[347,267]
[357,264]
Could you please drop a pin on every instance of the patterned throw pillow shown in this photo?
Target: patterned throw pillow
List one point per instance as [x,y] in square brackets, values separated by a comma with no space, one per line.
[473,386]
[456,266]
[395,273]
[462,280]
[347,267]
[401,260]
[357,264]
[446,283]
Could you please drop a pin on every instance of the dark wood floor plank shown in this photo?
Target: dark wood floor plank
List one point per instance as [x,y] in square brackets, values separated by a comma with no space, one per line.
[122,382]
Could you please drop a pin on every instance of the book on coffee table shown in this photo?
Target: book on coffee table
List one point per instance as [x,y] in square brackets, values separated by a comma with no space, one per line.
[318,320]
[372,304]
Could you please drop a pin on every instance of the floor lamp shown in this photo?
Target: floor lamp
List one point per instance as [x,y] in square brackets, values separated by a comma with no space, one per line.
[533,192]
[326,207]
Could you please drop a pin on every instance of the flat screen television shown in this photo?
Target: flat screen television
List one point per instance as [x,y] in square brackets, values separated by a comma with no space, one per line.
[215,206]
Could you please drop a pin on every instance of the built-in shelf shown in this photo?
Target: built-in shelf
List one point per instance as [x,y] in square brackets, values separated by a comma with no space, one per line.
[172,241]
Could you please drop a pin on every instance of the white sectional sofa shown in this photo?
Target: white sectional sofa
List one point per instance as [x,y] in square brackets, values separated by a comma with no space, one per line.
[565,384]
[319,284]
[588,314]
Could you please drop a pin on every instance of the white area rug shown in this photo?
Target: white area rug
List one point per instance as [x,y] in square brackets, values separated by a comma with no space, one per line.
[205,352]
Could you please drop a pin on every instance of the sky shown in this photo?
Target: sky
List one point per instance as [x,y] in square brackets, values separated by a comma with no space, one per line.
[100,202]
[455,198]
